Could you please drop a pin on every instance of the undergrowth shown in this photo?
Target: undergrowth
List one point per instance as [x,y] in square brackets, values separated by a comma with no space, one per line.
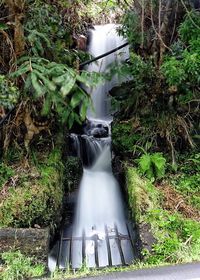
[187,179]
[177,238]
[17,266]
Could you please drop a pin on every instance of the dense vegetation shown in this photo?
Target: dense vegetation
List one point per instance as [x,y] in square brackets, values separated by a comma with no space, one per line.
[156,125]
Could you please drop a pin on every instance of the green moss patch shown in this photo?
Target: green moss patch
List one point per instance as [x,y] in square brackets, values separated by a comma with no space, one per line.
[33,195]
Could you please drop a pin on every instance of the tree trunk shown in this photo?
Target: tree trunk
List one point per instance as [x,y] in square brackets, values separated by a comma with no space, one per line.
[16,15]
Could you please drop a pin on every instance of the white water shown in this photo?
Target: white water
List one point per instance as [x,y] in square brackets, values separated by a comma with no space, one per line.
[103,39]
[99,199]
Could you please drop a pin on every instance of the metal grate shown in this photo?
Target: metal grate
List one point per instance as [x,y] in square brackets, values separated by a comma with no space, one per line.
[113,249]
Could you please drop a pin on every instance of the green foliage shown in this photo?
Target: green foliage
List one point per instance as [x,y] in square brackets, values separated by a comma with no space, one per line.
[46,33]
[182,68]
[173,71]
[177,238]
[124,139]
[131,28]
[3,26]
[179,72]
[18,267]
[164,99]
[73,172]
[153,165]
[6,172]
[37,196]
[9,94]
[142,72]
[58,85]
[141,88]
[187,179]
[189,29]
[38,42]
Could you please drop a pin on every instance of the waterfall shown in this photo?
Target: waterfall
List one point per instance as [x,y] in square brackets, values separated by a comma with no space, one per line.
[99,235]
[103,39]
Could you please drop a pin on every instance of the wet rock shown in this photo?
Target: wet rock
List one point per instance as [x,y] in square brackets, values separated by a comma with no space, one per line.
[97,130]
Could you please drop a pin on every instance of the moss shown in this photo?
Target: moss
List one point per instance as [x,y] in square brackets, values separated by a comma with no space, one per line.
[142,193]
[37,196]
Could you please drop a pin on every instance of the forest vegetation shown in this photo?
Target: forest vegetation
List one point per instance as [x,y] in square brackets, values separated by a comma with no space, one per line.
[156,127]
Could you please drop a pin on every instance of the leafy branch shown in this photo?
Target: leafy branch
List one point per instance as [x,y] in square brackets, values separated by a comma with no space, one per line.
[58,86]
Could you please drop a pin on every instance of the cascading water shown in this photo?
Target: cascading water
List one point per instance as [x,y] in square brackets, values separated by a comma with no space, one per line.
[103,39]
[99,235]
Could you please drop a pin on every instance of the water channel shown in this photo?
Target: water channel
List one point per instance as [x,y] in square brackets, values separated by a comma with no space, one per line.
[99,235]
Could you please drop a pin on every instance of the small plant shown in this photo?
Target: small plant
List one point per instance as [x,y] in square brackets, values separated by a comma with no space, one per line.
[17,266]
[6,172]
[9,93]
[152,165]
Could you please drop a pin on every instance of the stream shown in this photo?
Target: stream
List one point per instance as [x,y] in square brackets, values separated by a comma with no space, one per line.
[99,235]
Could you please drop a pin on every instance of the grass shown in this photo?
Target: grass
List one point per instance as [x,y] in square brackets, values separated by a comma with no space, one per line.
[17,266]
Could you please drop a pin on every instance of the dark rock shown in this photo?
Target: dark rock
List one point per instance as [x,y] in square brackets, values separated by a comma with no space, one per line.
[97,130]
[121,92]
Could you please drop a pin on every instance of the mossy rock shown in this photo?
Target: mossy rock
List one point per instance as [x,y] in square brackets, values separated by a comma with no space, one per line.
[31,241]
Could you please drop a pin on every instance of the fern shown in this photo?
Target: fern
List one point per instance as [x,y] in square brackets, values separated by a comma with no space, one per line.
[37,41]
[152,165]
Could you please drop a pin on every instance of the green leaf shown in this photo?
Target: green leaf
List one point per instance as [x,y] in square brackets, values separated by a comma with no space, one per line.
[65,115]
[158,160]
[38,88]
[60,80]
[77,118]
[145,162]
[38,67]
[68,85]
[49,84]
[47,105]
[83,110]
[90,78]
[20,71]
[28,84]
[76,99]
[71,120]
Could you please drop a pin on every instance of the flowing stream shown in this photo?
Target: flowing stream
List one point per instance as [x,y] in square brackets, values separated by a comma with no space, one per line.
[99,235]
